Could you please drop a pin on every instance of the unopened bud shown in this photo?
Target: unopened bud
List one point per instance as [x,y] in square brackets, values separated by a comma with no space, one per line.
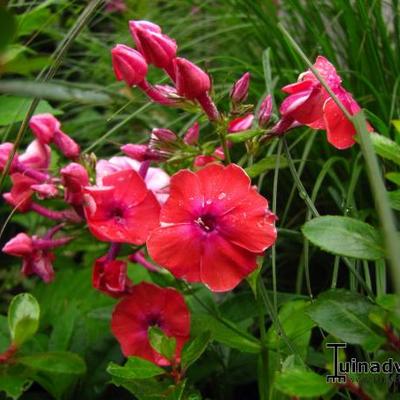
[265,112]
[240,89]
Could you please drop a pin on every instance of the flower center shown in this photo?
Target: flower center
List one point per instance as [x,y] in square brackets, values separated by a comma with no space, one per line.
[117,214]
[206,222]
[153,320]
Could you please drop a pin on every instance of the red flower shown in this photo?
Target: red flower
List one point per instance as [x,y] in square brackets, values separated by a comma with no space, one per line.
[123,210]
[310,104]
[21,192]
[147,306]
[109,276]
[213,226]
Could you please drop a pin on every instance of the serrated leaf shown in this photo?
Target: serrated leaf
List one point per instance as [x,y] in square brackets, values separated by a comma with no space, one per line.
[386,148]
[344,236]
[135,368]
[344,314]
[194,349]
[23,318]
[57,362]
[264,165]
[301,383]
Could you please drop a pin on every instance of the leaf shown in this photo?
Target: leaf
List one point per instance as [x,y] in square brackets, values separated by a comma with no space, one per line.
[242,136]
[264,165]
[52,91]
[226,332]
[344,314]
[386,148]
[13,381]
[13,109]
[344,236]
[135,368]
[394,199]
[8,27]
[393,177]
[57,362]
[301,383]
[147,389]
[23,318]
[194,349]
[161,342]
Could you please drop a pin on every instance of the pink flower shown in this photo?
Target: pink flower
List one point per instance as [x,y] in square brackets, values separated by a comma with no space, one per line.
[148,306]
[158,49]
[74,177]
[129,65]
[5,151]
[265,112]
[36,156]
[109,276]
[67,145]
[307,102]
[240,89]
[213,226]
[45,190]
[36,255]
[157,180]
[44,126]
[240,124]
[192,134]
[123,210]
[140,152]
[21,192]
[191,81]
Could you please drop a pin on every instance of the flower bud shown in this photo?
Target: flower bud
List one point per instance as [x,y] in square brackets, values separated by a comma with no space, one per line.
[44,126]
[192,134]
[129,65]
[140,152]
[67,145]
[5,151]
[74,177]
[191,81]
[240,124]
[144,25]
[265,112]
[164,135]
[240,89]
[157,49]
[19,246]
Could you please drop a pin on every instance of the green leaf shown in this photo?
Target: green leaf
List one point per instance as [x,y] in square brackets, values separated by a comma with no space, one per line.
[396,124]
[23,318]
[264,165]
[225,332]
[394,198]
[344,236]
[194,349]
[344,315]
[240,137]
[13,109]
[8,27]
[161,342]
[13,384]
[57,362]
[386,148]
[301,383]
[135,368]
[393,177]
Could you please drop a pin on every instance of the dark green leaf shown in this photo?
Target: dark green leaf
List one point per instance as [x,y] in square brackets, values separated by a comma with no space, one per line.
[13,382]
[135,368]
[8,27]
[23,318]
[264,165]
[147,389]
[58,362]
[194,349]
[301,383]
[393,177]
[344,315]
[344,236]
[394,198]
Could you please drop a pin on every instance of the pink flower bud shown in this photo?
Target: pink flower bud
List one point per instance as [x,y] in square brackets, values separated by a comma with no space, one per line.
[74,177]
[140,152]
[144,25]
[202,160]
[192,134]
[165,135]
[117,6]
[67,145]
[167,91]
[219,151]
[157,49]
[191,81]
[45,190]
[240,89]
[265,111]
[5,151]
[240,124]
[44,126]
[129,65]
[19,246]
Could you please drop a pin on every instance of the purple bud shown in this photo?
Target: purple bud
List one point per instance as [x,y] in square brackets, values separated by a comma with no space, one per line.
[192,134]
[265,111]
[165,135]
[240,89]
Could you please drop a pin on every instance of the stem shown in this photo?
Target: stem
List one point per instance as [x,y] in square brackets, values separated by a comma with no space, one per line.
[32,173]
[46,244]
[5,356]
[208,106]
[113,251]
[393,339]
[141,259]
[65,215]
[356,389]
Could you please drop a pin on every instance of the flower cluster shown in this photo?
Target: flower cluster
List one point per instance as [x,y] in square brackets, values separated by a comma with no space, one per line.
[204,224]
